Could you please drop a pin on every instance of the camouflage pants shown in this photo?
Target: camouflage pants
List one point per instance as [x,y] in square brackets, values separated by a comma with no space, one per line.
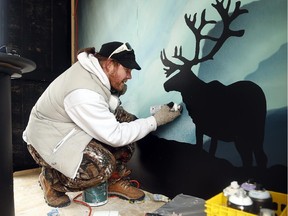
[100,162]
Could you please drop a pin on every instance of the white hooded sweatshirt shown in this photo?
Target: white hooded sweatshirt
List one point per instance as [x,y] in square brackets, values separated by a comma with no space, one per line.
[75,108]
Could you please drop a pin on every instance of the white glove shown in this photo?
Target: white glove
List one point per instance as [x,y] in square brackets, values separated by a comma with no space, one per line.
[166,115]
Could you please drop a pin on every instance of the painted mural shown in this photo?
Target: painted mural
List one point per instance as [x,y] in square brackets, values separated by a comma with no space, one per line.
[224,61]
[235,112]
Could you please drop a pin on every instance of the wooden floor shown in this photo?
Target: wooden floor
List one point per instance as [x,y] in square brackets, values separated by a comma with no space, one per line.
[29,200]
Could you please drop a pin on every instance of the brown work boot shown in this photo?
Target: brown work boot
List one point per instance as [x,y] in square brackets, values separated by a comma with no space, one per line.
[52,197]
[125,190]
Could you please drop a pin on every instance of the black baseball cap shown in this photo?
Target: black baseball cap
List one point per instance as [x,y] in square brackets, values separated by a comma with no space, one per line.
[120,52]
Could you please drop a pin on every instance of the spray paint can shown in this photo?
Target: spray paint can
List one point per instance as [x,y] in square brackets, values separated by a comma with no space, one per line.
[97,195]
[174,107]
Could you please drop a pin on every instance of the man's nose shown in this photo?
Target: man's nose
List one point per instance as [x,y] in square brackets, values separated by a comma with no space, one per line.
[129,74]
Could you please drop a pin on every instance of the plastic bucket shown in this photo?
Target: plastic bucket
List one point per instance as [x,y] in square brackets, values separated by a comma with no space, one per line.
[96,196]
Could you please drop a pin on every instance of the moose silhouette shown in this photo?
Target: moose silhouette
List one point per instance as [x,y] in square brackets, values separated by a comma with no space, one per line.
[235,112]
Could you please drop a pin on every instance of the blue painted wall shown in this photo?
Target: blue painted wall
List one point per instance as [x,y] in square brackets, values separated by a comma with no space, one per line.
[151,26]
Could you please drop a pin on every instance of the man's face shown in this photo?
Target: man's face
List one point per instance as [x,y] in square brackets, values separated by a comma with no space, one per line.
[118,76]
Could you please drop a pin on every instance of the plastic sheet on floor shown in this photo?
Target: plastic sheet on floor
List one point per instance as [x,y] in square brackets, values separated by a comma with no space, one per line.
[184,205]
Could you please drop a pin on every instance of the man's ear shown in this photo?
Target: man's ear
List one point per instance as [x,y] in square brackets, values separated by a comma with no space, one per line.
[107,66]
[111,66]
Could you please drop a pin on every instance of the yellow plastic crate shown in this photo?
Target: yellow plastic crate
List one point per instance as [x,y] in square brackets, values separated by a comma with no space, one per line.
[217,206]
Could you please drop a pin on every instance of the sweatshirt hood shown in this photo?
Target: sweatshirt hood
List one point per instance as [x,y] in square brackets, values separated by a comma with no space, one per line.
[91,64]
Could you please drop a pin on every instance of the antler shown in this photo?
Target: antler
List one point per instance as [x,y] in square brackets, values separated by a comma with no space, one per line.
[191,23]
[226,32]
[197,31]
[172,67]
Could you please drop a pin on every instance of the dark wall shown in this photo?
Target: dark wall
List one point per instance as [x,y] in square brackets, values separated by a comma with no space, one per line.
[171,168]
[40,31]
[3,21]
